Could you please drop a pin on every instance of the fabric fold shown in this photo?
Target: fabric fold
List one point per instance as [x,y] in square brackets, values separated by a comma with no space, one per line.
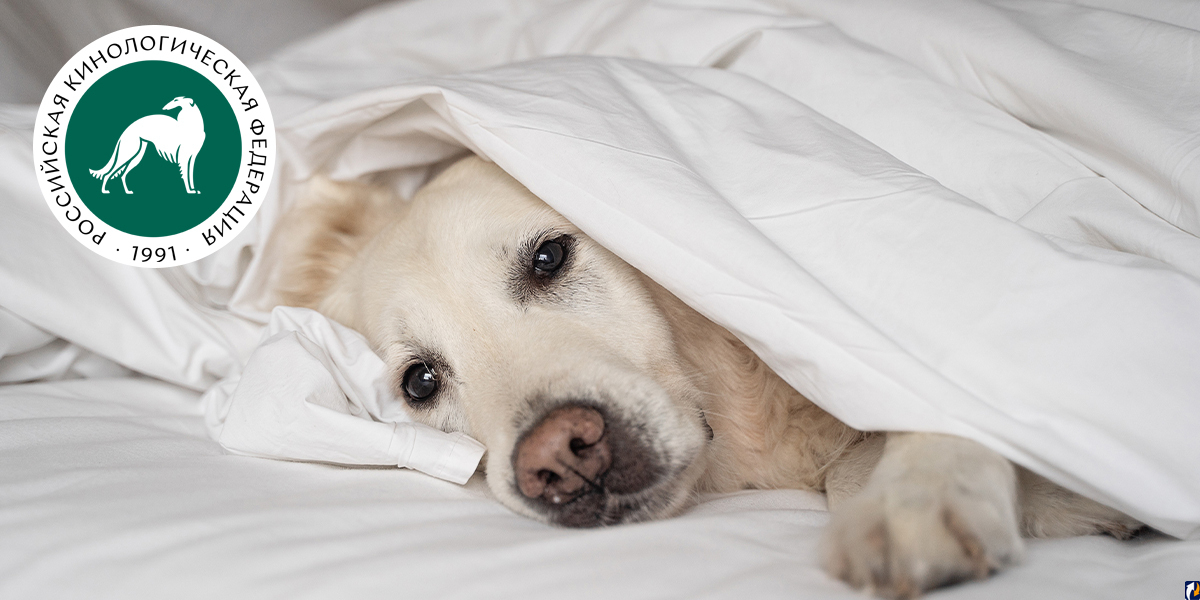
[314,390]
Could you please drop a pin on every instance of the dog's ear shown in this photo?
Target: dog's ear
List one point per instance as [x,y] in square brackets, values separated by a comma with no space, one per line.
[318,238]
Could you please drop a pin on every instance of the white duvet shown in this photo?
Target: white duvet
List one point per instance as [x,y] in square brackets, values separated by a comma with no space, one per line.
[979,218]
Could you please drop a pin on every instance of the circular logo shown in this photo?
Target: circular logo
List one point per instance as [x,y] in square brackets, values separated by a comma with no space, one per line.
[154,146]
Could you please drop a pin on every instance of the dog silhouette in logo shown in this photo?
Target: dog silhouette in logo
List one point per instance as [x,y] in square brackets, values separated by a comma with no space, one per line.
[177,140]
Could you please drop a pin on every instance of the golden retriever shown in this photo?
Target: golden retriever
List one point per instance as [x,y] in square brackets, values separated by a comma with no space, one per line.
[603,399]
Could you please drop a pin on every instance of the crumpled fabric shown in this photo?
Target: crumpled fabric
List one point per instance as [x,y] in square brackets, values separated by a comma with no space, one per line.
[313,390]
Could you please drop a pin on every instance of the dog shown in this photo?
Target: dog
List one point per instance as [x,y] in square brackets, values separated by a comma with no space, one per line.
[177,140]
[603,399]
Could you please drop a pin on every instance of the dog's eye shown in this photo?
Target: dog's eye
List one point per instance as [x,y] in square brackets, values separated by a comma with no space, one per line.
[548,258]
[420,382]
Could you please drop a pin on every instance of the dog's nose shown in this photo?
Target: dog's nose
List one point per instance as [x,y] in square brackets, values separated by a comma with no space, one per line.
[563,455]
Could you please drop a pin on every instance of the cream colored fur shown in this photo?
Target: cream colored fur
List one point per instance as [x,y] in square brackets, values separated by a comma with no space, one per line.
[911,511]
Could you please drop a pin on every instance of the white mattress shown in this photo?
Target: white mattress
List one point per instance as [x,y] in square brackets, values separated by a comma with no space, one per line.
[110,488]
[999,126]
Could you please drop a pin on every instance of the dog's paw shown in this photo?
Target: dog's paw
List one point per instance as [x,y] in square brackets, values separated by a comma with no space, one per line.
[904,535]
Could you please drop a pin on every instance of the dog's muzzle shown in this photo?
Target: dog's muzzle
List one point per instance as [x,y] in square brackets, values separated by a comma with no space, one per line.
[582,467]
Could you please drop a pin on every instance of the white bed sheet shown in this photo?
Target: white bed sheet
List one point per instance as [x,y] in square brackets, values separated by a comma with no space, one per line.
[112,489]
[109,488]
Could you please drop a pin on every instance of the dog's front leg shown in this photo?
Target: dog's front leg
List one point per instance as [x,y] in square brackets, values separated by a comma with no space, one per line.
[936,510]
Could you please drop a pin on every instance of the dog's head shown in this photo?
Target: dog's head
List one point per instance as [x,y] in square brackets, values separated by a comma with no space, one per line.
[179,102]
[499,318]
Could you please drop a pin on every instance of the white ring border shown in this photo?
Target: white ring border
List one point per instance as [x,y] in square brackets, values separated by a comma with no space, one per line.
[189,245]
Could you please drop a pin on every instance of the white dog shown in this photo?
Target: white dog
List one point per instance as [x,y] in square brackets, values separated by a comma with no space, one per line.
[603,399]
[178,140]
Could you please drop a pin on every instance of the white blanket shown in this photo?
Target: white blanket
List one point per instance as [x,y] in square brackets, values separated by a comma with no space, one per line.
[976,218]
[1004,312]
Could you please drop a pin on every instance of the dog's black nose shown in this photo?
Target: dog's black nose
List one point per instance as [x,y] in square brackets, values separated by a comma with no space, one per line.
[562,455]
[583,467]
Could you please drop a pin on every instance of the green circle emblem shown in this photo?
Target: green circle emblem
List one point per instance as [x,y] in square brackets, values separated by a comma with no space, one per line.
[154,146]
[137,132]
